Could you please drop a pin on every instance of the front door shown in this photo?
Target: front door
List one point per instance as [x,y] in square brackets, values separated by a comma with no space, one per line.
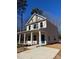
[43,38]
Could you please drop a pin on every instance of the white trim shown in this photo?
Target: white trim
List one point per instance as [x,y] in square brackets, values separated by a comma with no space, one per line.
[34,15]
[30,19]
[24,37]
[31,38]
[40,38]
[19,38]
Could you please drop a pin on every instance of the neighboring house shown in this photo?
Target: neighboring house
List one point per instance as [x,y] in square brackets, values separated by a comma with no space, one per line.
[39,30]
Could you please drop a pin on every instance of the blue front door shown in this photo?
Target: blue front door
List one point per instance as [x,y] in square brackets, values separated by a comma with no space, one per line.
[43,38]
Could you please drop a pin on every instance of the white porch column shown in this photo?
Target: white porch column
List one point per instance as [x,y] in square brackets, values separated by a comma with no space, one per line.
[24,37]
[19,38]
[31,37]
[40,38]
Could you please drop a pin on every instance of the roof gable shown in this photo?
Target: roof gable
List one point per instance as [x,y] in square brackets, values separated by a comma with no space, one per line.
[35,18]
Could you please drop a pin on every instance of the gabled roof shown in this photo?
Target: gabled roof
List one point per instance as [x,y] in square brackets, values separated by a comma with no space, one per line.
[33,16]
[46,17]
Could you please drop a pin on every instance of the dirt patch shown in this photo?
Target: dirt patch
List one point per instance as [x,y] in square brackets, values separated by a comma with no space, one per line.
[58,56]
[56,45]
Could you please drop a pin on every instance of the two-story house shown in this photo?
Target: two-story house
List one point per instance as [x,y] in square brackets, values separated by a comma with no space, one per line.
[39,30]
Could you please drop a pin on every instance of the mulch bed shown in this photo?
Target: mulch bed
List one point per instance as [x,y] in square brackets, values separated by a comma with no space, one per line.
[21,48]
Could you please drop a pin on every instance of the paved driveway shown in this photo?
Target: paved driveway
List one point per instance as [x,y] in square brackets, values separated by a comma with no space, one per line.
[38,53]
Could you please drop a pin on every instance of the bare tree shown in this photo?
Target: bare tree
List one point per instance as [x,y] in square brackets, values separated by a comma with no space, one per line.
[37,11]
[21,7]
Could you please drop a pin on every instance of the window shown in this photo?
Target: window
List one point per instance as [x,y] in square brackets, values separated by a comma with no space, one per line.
[28,38]
[54,38]
[35,26]
[34,37]
[29,27]
[41,24]
[49,38]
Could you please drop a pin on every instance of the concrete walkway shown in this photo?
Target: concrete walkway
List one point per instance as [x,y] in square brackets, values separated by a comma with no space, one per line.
[38,53]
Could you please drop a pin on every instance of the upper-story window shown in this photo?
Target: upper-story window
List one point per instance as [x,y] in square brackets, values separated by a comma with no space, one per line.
[41,24]
[35,26]
[29,27]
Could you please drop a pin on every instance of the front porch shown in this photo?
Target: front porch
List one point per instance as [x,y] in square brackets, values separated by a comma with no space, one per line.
[31,37]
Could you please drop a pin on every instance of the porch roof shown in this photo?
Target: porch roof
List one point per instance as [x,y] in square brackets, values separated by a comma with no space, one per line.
[21,32]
